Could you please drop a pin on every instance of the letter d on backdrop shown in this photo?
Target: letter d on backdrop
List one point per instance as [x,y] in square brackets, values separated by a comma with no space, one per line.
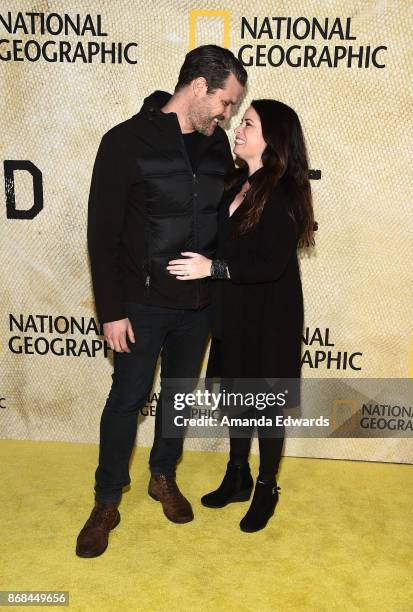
[9,168]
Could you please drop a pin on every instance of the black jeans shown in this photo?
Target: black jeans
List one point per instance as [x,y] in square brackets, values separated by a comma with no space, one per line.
[180,336]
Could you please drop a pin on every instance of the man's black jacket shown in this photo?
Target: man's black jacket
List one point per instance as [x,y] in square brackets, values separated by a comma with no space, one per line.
[146,205]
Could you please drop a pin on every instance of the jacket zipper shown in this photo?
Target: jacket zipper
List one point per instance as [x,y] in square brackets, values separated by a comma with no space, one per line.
[195,217]
[147,274]
[198,281]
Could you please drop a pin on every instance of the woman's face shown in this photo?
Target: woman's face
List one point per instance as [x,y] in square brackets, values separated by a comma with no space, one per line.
[249,141]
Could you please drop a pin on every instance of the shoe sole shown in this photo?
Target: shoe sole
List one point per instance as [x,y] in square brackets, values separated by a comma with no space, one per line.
[238,497]
[91,556]
[177,521]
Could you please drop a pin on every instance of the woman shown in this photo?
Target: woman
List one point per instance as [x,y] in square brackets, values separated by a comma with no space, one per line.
[266,214]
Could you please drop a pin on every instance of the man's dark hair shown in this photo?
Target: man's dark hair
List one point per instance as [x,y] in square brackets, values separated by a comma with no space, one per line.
[214,64]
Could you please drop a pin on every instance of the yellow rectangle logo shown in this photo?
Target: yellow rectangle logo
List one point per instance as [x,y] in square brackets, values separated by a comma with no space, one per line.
[193,16]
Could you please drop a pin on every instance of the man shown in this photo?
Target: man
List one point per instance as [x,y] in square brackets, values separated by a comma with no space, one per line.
[156,185]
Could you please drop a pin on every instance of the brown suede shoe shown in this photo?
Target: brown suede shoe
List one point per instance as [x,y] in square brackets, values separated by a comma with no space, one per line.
[175,506]
[92,541]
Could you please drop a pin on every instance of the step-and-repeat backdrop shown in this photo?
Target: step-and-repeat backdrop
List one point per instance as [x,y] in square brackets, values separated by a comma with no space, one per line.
[72,70]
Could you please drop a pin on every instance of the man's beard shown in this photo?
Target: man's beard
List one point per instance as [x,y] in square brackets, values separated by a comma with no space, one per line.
[207,129]
[202,122]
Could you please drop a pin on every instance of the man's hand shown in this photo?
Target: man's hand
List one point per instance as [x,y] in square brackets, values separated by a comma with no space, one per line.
[115,333]
[193,267]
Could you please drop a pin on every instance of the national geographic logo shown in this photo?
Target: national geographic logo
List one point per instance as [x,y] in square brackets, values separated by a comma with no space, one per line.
[323,354]
[351,416]
[40,334]
[32,37]
[330,38]
[196,15]
[344,415]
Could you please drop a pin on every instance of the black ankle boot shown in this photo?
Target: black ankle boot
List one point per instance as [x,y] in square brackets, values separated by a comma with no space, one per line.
[262,506]
[236,487]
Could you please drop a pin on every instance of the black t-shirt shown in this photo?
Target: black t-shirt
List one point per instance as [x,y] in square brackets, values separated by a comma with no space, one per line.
[192,141]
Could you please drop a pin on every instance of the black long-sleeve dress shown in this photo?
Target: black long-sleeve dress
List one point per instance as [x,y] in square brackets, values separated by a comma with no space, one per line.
[258,312]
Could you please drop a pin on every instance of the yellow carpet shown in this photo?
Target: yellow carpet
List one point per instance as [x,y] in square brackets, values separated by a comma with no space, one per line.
[341,538]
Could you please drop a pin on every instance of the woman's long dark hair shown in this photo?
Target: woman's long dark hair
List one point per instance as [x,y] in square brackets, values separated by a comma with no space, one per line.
[284,159]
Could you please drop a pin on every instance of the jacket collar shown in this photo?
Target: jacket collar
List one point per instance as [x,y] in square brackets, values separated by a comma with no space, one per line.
[153,103]
[244,176]
[151,110]
[168,122]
